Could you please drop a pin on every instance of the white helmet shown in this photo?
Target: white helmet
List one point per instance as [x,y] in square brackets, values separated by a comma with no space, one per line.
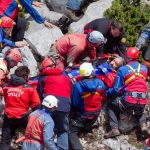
[50,101]
[86,69]
[96,37]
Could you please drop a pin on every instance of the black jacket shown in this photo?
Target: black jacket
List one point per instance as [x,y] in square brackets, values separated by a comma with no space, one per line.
[113,45]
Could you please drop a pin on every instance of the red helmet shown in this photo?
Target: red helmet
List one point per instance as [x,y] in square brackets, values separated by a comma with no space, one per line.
[15,55]
[6,22]
[46,63]
[133,53]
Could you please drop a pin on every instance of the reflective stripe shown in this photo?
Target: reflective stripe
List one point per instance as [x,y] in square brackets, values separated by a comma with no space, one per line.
[137,94]
[136,73]
[89,94]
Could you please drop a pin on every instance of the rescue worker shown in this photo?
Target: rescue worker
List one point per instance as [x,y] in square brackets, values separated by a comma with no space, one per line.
[130,83]
[19,98]
[87,96]
[53,82]
[11,8]
[70,47]
[39,133]
[6,26]
[113,32]
[10,60]
[145,37]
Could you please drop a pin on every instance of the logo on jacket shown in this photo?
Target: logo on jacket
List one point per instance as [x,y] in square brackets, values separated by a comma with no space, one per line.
[123,40]
[15,92]
[104,69]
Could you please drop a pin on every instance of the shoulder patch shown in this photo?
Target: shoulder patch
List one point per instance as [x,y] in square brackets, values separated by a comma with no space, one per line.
[123,40]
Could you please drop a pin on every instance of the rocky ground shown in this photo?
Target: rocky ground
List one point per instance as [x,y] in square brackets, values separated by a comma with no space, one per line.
[40,40]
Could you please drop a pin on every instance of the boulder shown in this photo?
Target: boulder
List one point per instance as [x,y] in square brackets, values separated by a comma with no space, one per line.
[95,10]
[29,60]
[56,5]
[120,143]
[41,38]
[46,13]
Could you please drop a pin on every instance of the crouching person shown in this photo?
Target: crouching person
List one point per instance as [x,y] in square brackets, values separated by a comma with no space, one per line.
[19,98]
[39,132]
[87,97]
[130,82]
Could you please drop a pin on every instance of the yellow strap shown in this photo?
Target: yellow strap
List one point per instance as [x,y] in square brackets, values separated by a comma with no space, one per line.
[19,4]
[136,73]
[89,94]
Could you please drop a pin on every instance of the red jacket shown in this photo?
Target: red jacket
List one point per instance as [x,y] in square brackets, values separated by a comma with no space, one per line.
[9,8]
[54,82]
[18,100]
[72,46]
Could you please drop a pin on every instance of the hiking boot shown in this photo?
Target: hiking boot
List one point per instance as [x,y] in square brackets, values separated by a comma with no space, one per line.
[63,23]
[71,14]
[144,130]
[113,133]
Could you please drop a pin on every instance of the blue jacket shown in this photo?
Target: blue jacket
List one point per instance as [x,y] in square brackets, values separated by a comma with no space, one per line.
[4,41]
[10,8]
[41,127]
[88,104]
[138,84]
[145,35]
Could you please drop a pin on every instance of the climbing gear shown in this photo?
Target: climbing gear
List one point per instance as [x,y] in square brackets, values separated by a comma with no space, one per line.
[136,73]
[86,69]
[47,62]
[14,55]
[96,37]
[6,22]
[133,53]
[137,94]
[50,101]
[85,95]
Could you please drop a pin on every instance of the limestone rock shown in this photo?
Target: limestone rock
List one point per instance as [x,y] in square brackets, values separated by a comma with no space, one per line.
[95,10]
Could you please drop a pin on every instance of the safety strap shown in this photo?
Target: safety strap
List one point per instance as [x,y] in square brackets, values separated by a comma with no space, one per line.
[19,4]
[85,95]
[136,73]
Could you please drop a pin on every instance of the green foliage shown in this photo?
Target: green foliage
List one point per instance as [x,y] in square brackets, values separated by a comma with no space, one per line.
[22,12]
[134,17]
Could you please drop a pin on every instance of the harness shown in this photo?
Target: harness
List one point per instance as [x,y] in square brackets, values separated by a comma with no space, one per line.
[73,80]
[19,4]
[136,73]
[85,95]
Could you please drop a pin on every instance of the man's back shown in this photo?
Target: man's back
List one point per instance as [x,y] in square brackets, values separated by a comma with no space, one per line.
[19,98]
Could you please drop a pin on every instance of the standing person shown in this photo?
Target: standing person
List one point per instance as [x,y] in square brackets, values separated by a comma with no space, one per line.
[6,27]
[53,82]
[10,8]
[39,133]
[19,98]
[113,32]
[70,47]
[87,97]
[131,84]
[145,37]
